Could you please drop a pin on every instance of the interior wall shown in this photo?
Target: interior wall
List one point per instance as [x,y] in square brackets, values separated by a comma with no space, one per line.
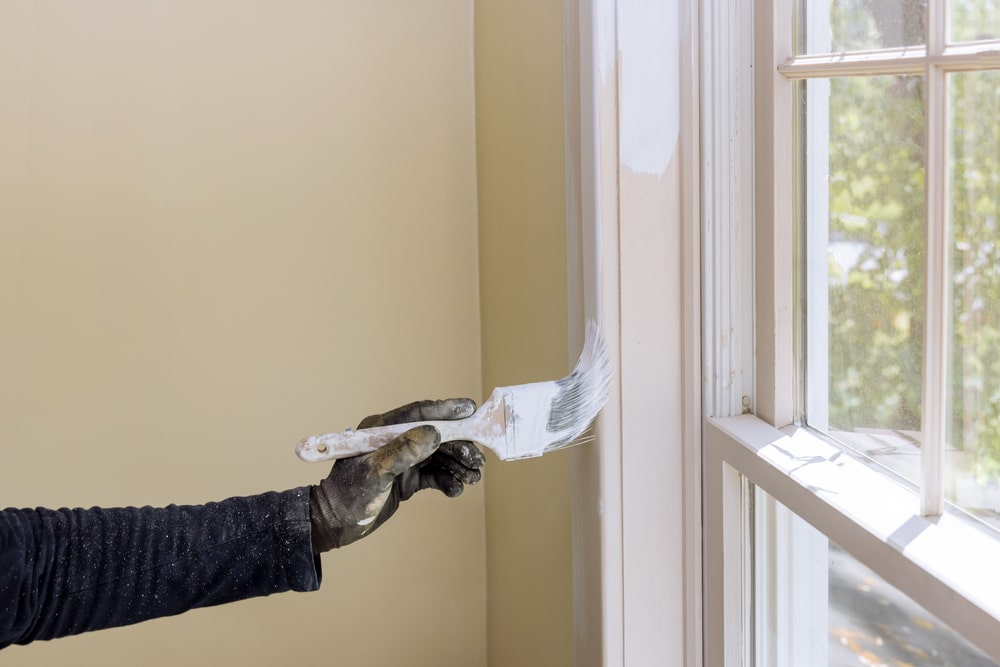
[226,225]
[522,228]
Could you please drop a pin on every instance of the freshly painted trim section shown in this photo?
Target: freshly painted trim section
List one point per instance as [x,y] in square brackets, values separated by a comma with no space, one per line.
[637,520]
[592,163]
[648,34]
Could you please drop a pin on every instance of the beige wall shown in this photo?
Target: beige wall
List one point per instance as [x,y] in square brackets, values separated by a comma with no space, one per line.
[519,120]
[225,225]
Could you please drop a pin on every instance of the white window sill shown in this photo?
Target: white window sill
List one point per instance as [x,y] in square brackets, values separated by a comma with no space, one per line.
[946,564]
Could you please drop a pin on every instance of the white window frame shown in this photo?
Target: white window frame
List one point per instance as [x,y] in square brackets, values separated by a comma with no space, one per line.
[943,563]
[732,297]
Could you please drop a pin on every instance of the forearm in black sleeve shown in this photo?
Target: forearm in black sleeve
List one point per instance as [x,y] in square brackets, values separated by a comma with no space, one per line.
[64,572]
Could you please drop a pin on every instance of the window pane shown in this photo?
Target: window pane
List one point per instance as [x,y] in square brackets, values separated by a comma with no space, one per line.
[872,623]
[974,19]
[832,26]
[873,228]
[973,473]
[815,604]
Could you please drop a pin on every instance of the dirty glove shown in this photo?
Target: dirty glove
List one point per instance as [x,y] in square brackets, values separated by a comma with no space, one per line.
[363,491]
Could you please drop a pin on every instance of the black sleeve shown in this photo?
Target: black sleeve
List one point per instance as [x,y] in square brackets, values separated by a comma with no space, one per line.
[64,572]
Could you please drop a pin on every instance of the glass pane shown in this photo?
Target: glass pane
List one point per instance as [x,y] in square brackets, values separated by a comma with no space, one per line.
[973,460]
[872,623]
[865,217]
[815,604]
[834,26]
[974,20]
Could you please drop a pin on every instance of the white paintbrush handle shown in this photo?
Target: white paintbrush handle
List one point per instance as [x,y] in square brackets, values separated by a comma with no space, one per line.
[487,428]
[351,443]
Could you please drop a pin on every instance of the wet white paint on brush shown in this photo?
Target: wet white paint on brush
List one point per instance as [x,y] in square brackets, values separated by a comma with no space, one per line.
[530,425]
[515,422]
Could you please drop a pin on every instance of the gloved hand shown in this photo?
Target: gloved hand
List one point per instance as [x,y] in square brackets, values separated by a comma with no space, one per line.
[363,491]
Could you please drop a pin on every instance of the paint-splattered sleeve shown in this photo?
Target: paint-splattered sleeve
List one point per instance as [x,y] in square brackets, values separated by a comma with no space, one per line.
[68,571]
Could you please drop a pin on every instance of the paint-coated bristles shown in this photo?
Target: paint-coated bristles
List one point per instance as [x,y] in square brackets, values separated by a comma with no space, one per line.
[582,393]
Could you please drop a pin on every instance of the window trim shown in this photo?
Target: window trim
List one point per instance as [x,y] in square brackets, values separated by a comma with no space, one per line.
[637,581]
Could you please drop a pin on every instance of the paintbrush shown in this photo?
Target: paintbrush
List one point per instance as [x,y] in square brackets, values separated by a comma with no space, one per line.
[515,422]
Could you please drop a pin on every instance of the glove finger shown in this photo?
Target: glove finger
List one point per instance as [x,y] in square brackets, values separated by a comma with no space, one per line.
[443,481]
[406,451]
[451,408]
[455,465]
[464,452]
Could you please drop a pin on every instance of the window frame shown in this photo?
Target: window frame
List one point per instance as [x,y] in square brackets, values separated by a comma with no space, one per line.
[731,309]
[938,560]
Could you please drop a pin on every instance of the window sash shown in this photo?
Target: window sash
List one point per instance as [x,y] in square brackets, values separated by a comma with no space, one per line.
[934,61]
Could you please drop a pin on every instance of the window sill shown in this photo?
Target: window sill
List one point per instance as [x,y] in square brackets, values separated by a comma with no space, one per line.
[947,564]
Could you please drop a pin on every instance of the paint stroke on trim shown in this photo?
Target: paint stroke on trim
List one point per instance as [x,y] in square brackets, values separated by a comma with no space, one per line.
[604,37]
[649,104]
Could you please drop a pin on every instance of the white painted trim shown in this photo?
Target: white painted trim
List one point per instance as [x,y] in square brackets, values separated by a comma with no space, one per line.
[729,303]
[773,249]
[591,156]
[691,333]
[945,564]
[728,623]
[634,255]
[727,176]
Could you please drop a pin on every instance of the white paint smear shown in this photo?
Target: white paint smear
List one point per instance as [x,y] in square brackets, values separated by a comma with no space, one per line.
[531,406]
[604,37]
[649,41]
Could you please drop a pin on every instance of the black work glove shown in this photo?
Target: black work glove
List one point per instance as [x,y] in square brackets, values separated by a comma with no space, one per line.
[363,491]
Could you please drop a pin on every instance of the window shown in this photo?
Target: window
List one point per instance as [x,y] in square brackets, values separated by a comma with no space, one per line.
[898,142]
[874,187]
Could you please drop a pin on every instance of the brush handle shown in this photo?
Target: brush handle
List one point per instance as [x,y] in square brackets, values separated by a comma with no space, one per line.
[487,428]
[362,441]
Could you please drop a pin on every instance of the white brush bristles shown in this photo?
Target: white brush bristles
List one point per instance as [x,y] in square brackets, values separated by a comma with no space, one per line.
[572,403]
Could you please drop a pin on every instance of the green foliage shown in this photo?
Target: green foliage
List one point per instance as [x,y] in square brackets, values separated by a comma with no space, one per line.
[877,216]
[877,240]
[975,205]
